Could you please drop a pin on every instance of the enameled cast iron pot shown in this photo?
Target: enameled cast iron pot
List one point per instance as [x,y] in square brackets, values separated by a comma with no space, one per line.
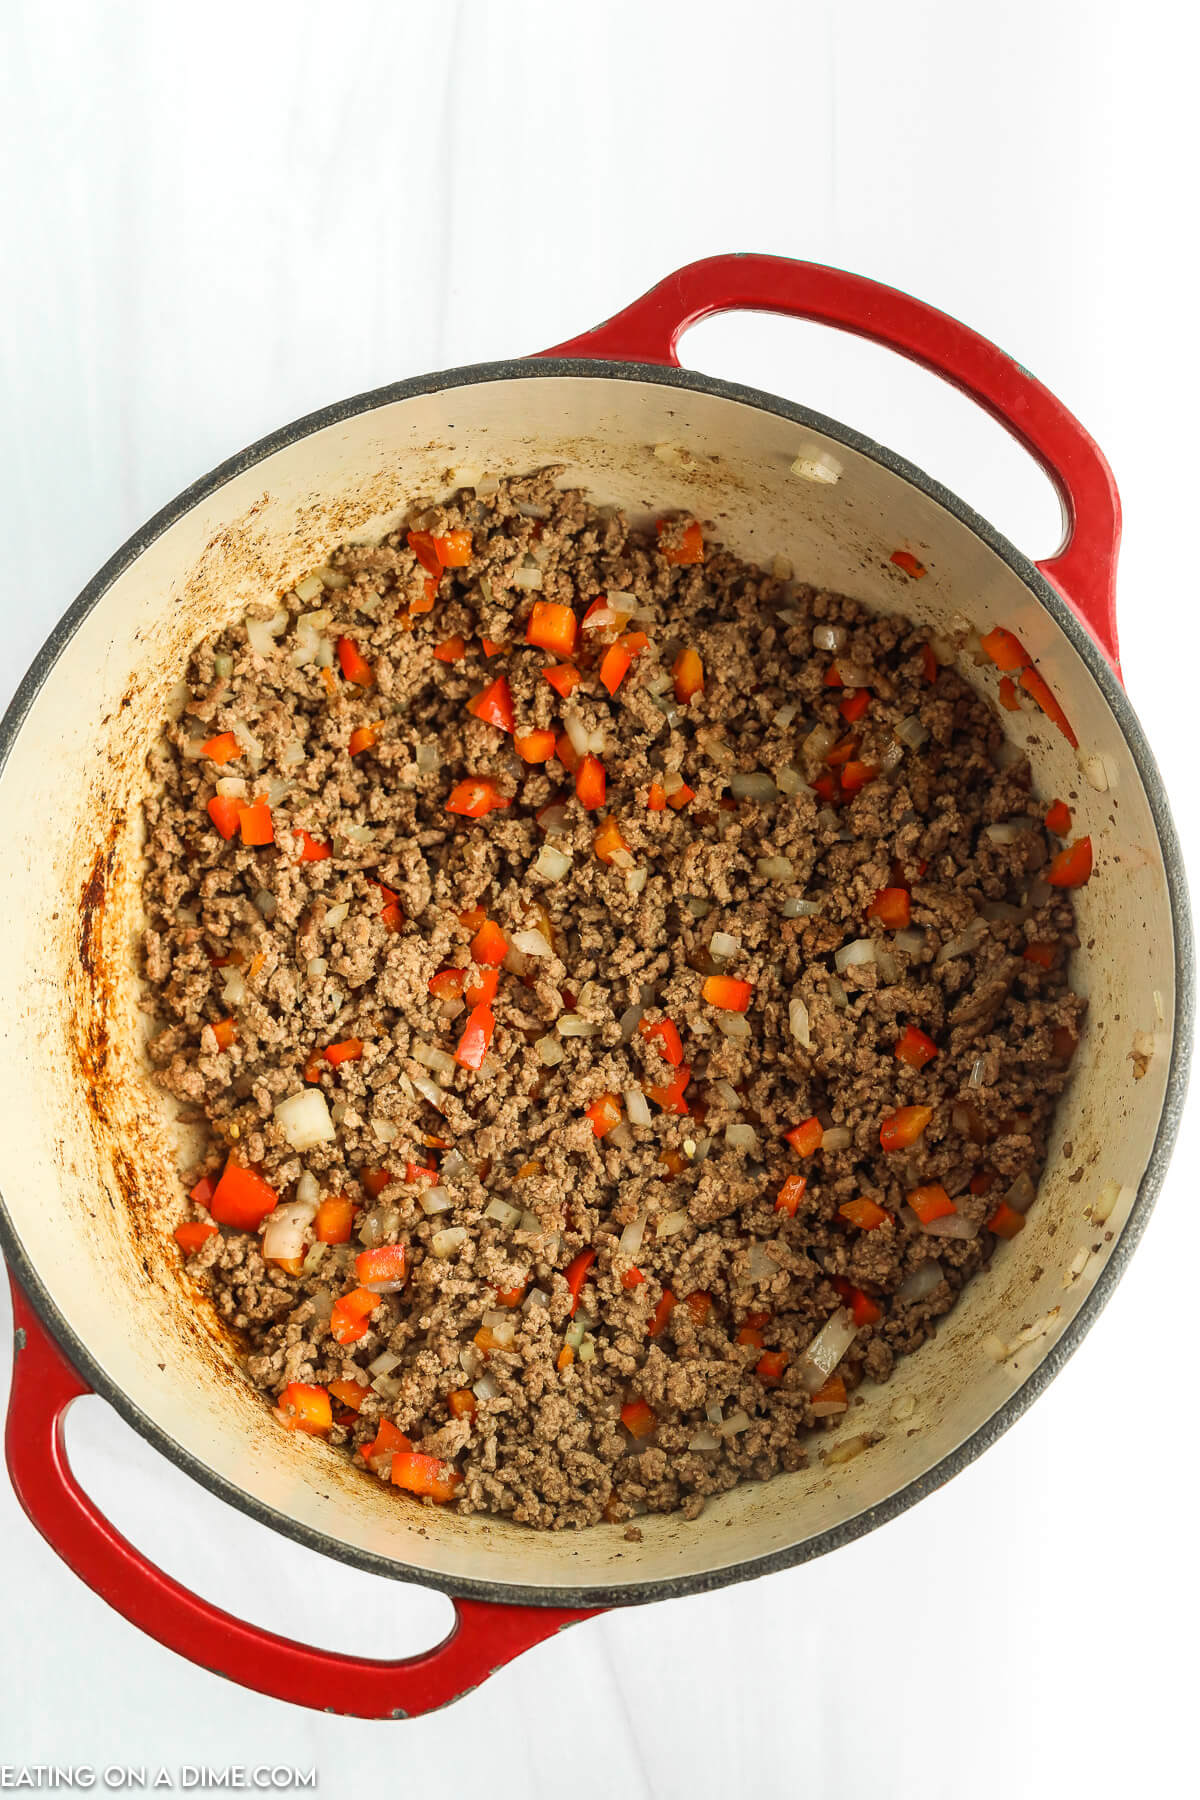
[87,1165]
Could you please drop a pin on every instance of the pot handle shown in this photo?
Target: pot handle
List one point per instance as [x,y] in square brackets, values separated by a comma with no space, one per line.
[485,1635]
[1083,569]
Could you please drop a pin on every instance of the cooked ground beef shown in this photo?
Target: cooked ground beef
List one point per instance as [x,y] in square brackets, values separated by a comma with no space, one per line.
[333,932]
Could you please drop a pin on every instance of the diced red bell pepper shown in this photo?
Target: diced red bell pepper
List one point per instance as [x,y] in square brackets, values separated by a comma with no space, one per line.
[750,1336]
[1058,818]
[193,1234]
[805,1139]
[656,799]
[1044,955]
[892,906]
[493,704]
[856,775]
[305,1408]
[831,1398]
[1063,1043]
[222,748]
[477,1035]
[349,1050]
[983,1181]
[350,1393]
[863,1309]
[614,666]
[566,753]
[843,751]
[665,1033]
[865,1214]
[931,1202]
[225,1032]
[604,1114]
[904,559]
[699,1305]
[854,705]
[1006,1221]
[553,627]
[475,798]
[481,985]
[382,1268]
[632,1278]
[826,786]
[256,824]
[637,1418]
[678,798]
[462,1403]
[453,550]
[681,548]
[375,1180]
[388,1439]
[1072,867]
[489,945]
[670,1096]
[564,678]
[929,664]
[427,1476]
[688,671]
[203,1191]
[1038,688]
[901,1129]
[423,547]
[608,842]
[535,746]
[447,984]
[420,1174]
[510,1296]
[770,1366]
[451,649]
[362,738]
[1006,651]
[590,783]
[661,1313]
[354,665]
[575,1274]
[832,676]
[242,1198]
[727,993]
[915,1048]
[1007,694]
[791,1194]
[348,1320]
[334,1220]
[310,850]
[224,813]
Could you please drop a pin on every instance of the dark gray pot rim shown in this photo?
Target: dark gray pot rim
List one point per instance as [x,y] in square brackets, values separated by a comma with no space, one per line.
[670,1587]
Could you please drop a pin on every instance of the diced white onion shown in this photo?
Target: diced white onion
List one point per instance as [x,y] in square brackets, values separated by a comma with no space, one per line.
[549,1051]
[852,955]
[910,940]
[798,1022]
[738,1421]
[826,1351]
[531,943]
[384,1363]
[759,1265]
[729,1094]
[304,1119]
[631,1238]
[233,986]
[1021,1194]
[733,1025]
[891,758]
[828,637]
[886,963]
[620,1137]
[445,1243]
[704,1439]
[316,967]
[358,834]
[920,1283]
[231,787]
[434,1199]
[911,732]
[577,731]
[783,718]
[697,905]
[740,1136]
[837,992]
[430,1056]
[251,747]
[429,1092]
[828,1409]
[635,879]
[571,1025]
[723,945]
[838,1137]
[223,665]
[799,908]
[283,1238]
[775,868]
[503,1212]
[963,945]
[818,466]
[551,863]
[755,786]
[307,1191]
[671,1224]
[978,1073]
[552,818]
[714,1414]
[1007,831]
[485,1388]
[637,1107]
[527,576]
[385,1130]
[535,1300]
[818,743]
[952,1225]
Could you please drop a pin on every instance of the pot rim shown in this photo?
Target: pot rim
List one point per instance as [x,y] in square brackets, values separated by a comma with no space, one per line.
[704,1581]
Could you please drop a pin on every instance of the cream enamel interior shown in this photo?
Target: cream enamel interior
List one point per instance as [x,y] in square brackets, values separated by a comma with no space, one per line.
[86,1161]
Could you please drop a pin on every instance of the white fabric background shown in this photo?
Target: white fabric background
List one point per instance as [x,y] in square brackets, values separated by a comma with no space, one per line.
[217,217]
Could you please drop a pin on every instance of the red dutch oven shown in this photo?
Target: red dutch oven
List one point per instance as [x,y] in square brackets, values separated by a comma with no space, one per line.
[89,1151]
